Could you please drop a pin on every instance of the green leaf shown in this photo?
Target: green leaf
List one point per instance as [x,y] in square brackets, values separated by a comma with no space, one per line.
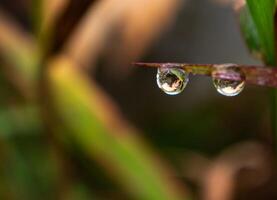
[257,24]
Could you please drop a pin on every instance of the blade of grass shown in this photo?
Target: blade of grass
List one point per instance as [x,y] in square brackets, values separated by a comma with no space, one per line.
[99,130]
[249,31]
[19,52]
[107,17]
[44,16]
[36,15]
[259,17]
[262,32]
[85,44]
[52,10]
[257,75]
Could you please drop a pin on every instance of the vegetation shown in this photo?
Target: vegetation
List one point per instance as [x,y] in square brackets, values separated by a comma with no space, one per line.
[61,135]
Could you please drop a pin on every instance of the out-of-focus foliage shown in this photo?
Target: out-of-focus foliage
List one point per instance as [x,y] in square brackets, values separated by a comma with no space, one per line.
[99,132]
[62,136]
[64,112]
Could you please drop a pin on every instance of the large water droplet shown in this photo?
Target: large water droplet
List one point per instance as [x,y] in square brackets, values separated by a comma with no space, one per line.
[172,80]
[229,87]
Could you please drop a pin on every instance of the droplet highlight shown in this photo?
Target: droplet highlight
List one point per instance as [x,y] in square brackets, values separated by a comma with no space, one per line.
[226,87]
[172,81]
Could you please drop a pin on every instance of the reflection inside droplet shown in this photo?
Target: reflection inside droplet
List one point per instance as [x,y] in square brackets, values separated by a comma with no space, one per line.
[229,87]
[172,80]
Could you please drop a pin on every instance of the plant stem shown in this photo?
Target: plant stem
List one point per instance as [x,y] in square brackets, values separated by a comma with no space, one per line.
[256,75]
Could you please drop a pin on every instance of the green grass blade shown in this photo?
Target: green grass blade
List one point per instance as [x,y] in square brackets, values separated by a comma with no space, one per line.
[98,129]
[257,24]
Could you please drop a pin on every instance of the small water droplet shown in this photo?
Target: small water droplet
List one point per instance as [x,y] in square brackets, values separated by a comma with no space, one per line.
[172,80]
[229,87]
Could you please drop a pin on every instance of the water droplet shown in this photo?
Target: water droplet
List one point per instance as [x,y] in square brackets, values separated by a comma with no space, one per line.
[229,87]
[172,80]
